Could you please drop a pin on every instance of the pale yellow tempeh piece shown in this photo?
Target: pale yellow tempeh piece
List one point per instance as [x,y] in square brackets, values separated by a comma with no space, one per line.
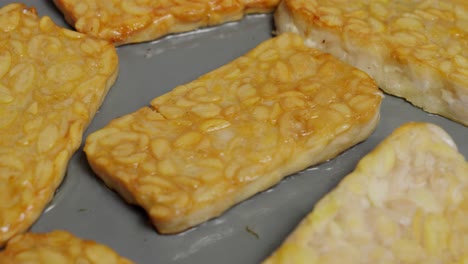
[57,247]
[413,49]
[235,131]
[52,81]
[131,21]
[406,202]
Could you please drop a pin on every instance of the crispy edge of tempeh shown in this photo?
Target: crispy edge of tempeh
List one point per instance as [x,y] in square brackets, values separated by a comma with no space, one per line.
[131,23]
[123,179]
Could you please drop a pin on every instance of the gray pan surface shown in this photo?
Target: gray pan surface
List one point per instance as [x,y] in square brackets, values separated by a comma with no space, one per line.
[248,232]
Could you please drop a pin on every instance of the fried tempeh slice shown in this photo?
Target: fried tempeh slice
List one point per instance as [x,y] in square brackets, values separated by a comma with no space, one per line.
[234,132]
[128,21]
[406,202]
[413,49]
[57,247]
[52,81]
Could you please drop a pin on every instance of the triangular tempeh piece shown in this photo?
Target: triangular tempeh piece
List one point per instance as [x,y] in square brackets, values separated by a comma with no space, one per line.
[406,202]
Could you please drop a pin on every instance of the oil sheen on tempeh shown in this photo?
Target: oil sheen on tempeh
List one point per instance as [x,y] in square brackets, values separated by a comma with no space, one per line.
[235,131]
[129,21]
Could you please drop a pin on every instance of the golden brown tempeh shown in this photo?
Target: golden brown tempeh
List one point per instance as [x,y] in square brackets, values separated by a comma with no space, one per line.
[57,247]
[52,81]
[127,21]
[234,132]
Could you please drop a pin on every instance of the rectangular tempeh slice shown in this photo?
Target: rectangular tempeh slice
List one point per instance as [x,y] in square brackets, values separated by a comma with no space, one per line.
[406,202]
[52,81]
[235,131]
[57,247]
[413,49]
[128,21]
